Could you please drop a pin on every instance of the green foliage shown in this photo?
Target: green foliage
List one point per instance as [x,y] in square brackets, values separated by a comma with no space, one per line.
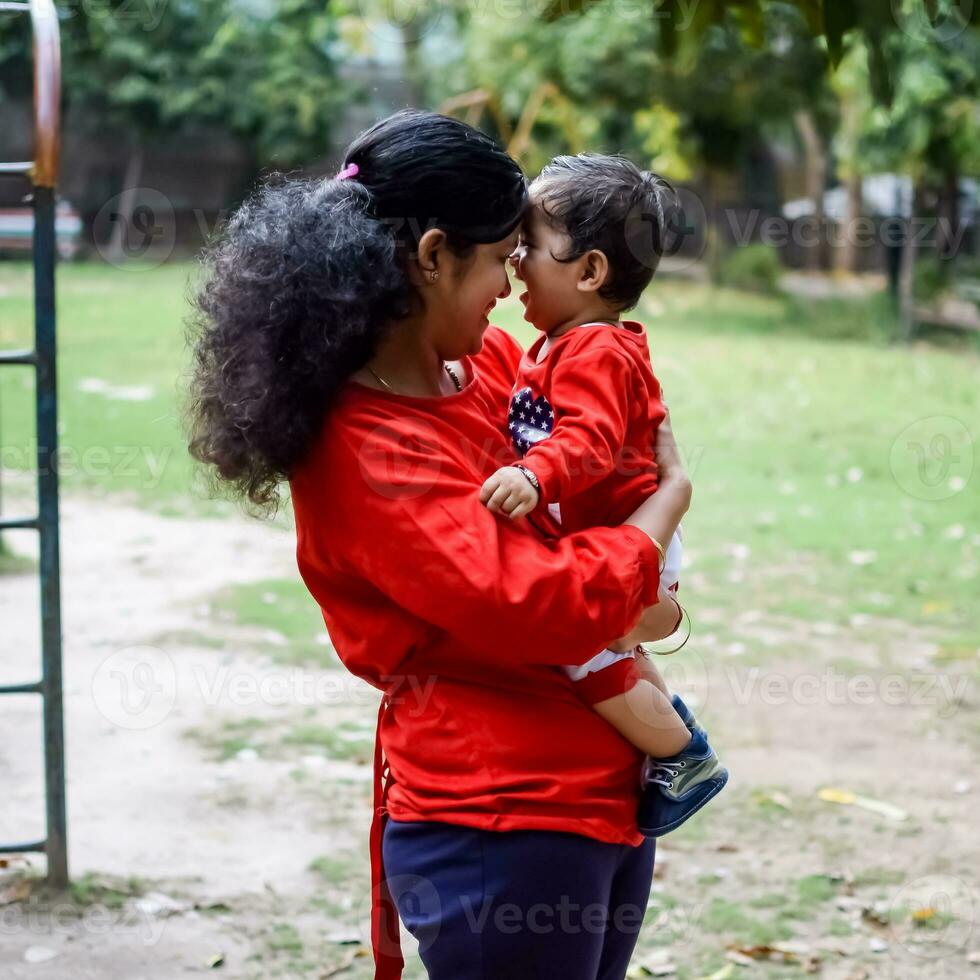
[931,126]
[871,320]
[604,65]
[710,104]
[665,145]
[266,73]
[967,269]
[932,278]
[836,23]
[754,267]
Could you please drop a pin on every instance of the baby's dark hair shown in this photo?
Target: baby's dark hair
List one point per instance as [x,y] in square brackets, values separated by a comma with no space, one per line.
[309,274]
[608,203]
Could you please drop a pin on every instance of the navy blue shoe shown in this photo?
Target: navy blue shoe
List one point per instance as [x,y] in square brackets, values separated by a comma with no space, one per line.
[677,787]
[687,716]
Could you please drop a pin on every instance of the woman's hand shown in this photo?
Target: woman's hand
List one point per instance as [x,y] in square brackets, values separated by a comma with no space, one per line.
[657,623]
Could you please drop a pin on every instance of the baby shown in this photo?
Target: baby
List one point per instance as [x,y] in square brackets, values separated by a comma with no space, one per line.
[584,414]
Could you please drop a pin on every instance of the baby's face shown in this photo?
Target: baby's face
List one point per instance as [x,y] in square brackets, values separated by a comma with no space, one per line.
[552,296]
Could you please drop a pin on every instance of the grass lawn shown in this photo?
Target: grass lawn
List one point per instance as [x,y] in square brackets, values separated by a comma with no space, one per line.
[833,478]
[121,354]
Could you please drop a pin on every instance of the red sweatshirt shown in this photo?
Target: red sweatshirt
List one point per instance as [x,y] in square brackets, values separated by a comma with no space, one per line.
[585,419]
[462,617]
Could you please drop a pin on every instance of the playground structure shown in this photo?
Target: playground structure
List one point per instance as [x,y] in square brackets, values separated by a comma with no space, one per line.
[42,174]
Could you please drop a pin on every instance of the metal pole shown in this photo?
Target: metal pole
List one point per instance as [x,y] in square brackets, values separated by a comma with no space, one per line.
[47,491]
[43,175]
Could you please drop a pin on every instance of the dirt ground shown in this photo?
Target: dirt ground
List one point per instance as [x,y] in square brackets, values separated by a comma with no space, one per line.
[252,862]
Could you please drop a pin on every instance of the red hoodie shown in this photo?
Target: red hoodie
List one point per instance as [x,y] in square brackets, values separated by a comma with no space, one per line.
[462,617]
[585,419]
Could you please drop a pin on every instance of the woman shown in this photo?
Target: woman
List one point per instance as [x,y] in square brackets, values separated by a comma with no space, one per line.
[345,345]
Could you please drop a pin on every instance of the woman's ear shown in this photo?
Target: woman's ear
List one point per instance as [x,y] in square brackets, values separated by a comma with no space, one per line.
[594,268]
[430,258]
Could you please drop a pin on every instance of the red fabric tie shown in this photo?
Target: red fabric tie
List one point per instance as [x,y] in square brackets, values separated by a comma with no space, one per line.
[385,941]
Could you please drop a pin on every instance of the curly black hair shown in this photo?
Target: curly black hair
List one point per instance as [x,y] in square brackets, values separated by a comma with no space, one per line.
[606,202]
[308,276]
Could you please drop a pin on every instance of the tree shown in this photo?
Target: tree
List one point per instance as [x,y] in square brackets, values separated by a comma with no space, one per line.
[267,74]
[931,133]
[604,69]
[683,25]
[851,86]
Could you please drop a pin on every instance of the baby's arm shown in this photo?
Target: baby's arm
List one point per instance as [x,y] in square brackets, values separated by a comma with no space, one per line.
[593,384]
[649,672]
[645,716]
[627,691]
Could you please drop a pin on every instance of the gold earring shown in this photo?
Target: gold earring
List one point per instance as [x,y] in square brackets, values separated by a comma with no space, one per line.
[434,275]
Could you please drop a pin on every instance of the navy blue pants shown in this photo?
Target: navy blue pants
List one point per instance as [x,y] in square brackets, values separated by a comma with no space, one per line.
[520,904]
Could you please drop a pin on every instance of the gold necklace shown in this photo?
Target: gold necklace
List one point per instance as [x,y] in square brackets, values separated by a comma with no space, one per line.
[452,374]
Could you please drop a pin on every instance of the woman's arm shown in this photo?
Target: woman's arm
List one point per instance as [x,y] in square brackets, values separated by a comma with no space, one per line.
[661,513]
[657,622]
[658,516]
[417,532]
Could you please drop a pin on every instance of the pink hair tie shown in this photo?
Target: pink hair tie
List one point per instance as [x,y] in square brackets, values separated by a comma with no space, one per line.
[351,171]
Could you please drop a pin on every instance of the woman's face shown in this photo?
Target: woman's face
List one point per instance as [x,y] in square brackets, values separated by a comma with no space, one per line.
[465,295]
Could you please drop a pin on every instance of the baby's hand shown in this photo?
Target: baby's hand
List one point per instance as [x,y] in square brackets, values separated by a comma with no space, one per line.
[509,491]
